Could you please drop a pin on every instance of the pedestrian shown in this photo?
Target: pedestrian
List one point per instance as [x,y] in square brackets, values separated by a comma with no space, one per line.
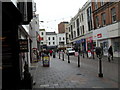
[110,53]
[51,52]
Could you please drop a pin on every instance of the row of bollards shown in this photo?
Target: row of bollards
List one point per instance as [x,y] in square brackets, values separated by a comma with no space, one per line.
[100,74]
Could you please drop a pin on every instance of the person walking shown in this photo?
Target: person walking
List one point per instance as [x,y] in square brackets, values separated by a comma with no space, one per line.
[51,52]
[110,53]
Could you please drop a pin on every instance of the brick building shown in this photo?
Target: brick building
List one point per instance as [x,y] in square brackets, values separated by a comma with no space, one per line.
[106,21]
[62,27]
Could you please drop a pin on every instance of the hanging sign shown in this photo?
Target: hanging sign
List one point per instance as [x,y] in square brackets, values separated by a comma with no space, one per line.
[23,45]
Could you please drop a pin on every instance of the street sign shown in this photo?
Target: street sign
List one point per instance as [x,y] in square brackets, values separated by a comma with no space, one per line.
[76,53]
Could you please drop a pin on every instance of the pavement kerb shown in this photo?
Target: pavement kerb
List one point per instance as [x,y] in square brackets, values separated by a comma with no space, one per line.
[104,59]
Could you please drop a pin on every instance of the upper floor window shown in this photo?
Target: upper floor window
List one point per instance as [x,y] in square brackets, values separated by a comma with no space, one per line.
[96,4]
[113,14]
[82,17]
[74,25]
[97,21]
[103,15]
[63,38]
[53,38]
[83,29]
[74,33]
[102,2]
[48,38]
[49,43]
[53,43]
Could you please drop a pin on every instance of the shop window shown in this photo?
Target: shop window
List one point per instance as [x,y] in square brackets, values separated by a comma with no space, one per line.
[117,47]
[105,47]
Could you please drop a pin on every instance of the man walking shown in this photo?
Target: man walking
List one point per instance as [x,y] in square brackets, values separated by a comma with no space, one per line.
[110,53]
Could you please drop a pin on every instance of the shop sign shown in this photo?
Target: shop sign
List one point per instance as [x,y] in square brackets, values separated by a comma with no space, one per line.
[89,39]
[76,53]
[99,35]
[23,45]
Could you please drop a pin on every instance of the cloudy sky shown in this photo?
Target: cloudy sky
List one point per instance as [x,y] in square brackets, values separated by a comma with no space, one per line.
[52,12]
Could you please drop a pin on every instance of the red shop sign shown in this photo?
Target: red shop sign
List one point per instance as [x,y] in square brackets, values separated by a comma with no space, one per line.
[99,35]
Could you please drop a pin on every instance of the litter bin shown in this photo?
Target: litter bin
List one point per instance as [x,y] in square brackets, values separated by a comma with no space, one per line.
[46,61]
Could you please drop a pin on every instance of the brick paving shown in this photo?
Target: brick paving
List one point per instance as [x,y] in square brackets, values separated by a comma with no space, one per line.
[60,74]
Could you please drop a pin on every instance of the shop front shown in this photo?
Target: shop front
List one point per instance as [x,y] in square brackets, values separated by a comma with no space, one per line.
[90,44]
[100,36]
[80,44]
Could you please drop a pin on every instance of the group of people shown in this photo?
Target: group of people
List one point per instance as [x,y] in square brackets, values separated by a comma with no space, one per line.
[46,52]
[100,52]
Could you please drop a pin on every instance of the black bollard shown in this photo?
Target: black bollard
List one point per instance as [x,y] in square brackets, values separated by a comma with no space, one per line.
[63,56]
[93,55]
[83,54]
[100,68]
[68,59]
[87,54]
[78,60]
[59,55]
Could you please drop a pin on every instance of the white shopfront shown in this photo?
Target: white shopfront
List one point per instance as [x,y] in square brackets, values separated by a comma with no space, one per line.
[100,36]
[106,36]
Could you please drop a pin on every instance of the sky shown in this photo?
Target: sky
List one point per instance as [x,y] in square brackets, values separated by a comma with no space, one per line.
[52,12]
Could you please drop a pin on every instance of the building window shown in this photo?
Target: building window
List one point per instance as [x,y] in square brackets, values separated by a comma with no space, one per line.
[59,38]
[53,43]
[69,36]
[41,42]
[74,33]
[103,15]
[82,17]
[42,33]
[78,32]
[48,38]
[96,4]
[113,14]
[89,19]
[97,21]
[116,46]
[69,29]
[83,29]
[49,43]
[53,38]
[63,38]
[102,2]
[74,25]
